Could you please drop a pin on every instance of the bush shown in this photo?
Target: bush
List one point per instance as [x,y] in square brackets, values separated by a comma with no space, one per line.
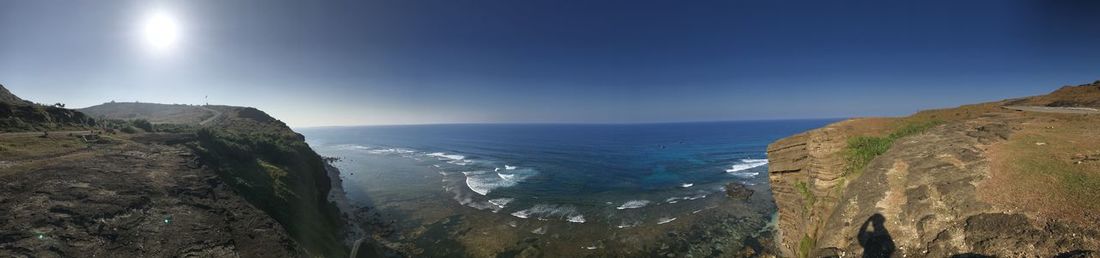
[129,129]
[143,124]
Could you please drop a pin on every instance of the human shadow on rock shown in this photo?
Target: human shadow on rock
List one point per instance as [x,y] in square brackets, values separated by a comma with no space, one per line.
[874,238]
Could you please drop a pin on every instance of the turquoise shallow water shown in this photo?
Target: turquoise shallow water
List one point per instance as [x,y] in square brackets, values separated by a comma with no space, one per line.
[585,177]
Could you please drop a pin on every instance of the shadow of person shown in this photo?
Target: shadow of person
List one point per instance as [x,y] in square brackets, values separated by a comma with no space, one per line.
[876,241]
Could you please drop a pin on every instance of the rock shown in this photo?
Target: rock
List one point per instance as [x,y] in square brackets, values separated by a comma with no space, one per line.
[738,191]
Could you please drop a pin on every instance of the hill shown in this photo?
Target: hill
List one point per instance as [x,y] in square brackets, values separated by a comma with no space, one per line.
[7,97]
[1010,178]
[155,113]
[18,115]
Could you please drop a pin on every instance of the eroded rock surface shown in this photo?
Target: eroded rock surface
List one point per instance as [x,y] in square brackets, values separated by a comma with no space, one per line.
[924,197]
[130,199]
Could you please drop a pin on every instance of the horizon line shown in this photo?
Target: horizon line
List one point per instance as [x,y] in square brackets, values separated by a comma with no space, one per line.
[569,123]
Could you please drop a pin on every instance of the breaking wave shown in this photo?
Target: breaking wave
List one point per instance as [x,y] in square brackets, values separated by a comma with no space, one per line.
[747,164]
[633,204]
[665,220]
[548,212]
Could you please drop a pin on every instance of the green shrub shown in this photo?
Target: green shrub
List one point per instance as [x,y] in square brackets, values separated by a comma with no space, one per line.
[807,195]
[862,149]
[805,246]
[143,124]
[129,129]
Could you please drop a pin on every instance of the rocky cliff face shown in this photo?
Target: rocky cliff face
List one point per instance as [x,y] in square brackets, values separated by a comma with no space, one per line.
[805,173]
[944,191]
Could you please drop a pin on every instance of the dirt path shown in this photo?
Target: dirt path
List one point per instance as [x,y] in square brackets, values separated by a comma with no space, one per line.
[217,114]
[1062,110]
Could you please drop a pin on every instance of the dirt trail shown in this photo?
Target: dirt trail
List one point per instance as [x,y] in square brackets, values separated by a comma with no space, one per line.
[216,115]
[1060,110]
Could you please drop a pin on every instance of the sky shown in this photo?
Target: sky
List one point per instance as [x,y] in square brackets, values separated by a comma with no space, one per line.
[314,63]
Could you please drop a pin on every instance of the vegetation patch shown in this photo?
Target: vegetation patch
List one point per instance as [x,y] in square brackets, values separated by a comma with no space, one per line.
[862,149]
[22,117]
[805,246]
[808,197]
[30,146]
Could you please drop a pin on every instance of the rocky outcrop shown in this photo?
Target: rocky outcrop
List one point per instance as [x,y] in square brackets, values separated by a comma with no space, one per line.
[804,173]
[148,197]
[227,182]
[923,196]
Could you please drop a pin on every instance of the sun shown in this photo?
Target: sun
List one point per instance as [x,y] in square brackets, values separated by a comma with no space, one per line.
[160,31]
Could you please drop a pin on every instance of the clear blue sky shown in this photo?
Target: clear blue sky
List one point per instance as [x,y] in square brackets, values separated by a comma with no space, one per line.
[408,61]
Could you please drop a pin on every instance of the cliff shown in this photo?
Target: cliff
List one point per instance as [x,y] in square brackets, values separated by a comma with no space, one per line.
[205,181]
[1009,178]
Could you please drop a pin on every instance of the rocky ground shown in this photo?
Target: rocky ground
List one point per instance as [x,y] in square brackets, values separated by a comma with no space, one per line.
[985,181]
[124,196]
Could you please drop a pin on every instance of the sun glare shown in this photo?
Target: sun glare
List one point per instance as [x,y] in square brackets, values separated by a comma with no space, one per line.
[160,31]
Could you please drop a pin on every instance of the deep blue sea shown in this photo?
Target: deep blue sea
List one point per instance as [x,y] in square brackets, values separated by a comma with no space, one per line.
[615,176]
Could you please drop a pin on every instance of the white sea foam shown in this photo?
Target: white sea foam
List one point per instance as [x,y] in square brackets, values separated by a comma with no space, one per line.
[685,198]
[548,211]
[746,174]
[665,220]
[747,164]
[541,230]
[447,156]
[686,185]
[633,204]
[483,182]
[389,151]
[522,214]
[507,167]
[501,202]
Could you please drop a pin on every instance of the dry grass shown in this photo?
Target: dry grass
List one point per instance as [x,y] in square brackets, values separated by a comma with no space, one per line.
[28,146]
[1037,169]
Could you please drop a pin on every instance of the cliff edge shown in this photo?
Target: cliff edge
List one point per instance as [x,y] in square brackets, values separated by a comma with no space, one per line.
[1009,178]
[198,181]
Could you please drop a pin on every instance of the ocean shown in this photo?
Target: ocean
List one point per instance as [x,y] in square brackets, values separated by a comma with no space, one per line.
[577,189]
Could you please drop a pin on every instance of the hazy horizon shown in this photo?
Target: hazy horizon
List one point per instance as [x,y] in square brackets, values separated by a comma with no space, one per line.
[444,62]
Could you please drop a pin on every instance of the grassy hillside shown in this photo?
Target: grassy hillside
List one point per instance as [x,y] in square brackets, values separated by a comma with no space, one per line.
[7,97]
[273,168]
[155,113]
[18,115]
